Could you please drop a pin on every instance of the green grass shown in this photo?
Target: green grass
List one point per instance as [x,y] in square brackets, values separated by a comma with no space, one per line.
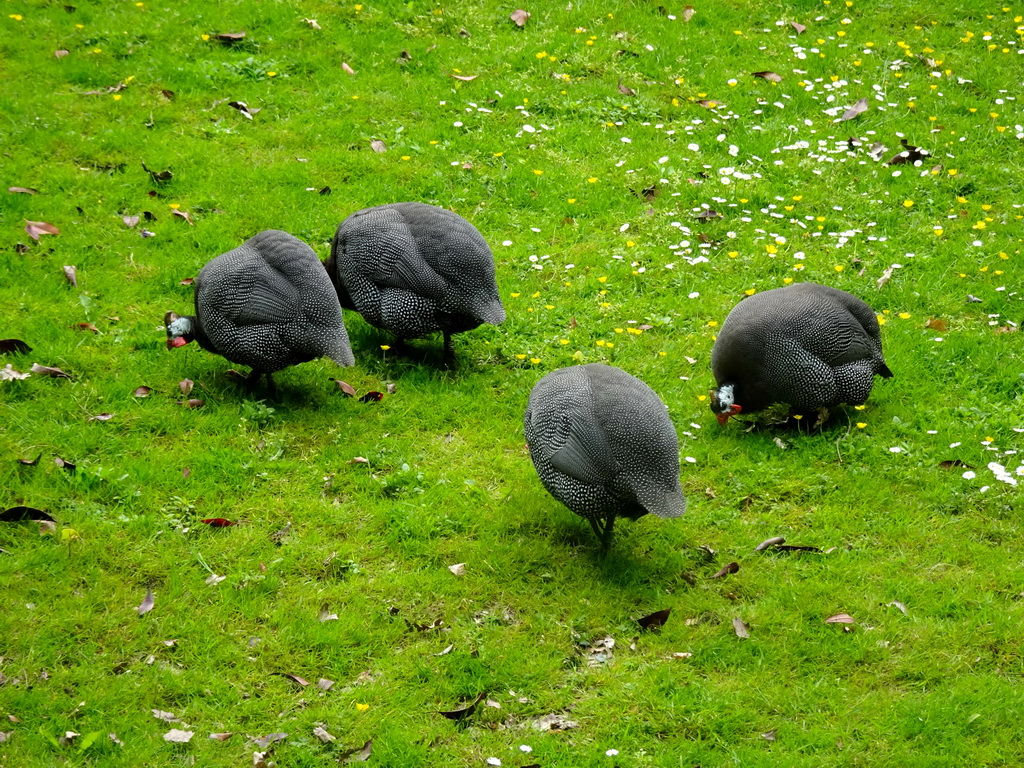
[447,478]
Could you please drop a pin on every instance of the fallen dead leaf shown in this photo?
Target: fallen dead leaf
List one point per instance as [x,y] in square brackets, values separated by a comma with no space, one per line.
[859,108]
[158,177]
[327,615]
[726,570]
[265,741]
[61,53]
[348,69]
[176,736]
[654,620]
[130,221]
[459,569]
[23,191]
[312,23]
[841,618]
[71,274]
[101,417]
[324,684]
[357,755]
[768,543]
[909,154]
[345,388]
[519,17]
[221,736]
[378,146]
[465,78]
[183,215]
[554,722]
[771,77]
[167,717]
[936,324]
[625,89]
[230,37]
[64,464]
[688,13]
[798,27]
[741,629]
[218,522]
[322,734]
[37,228]
[142,391]
[770,735]
[9,373]
[898,605]
[293,678]
[462,712]
[147,604]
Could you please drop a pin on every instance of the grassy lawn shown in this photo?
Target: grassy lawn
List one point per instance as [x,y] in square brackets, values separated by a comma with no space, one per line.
[590,148]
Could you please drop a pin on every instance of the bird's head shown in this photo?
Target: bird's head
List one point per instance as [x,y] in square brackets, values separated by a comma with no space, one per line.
[723,403]
[179,330]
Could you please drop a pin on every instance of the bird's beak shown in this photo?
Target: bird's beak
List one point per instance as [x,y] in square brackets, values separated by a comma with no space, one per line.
[176,341]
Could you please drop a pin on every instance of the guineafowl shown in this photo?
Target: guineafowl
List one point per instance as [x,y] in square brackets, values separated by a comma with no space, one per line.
[808,346]
[267,304]
[413,269]
[603,445]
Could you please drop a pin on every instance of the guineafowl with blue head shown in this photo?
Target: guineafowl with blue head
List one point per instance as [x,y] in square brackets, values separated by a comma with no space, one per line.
[414,269]
[267,304]
[603,444]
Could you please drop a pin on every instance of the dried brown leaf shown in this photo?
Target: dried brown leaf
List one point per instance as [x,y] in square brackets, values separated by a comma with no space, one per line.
[726,570]
[186,385]
[378,146]
[142,391]
[859,108]
[625,89]
[459,569]
[265,741]
[345,388]
[768,543]
[954,464]
[462,712]
[60,54]
[770,735]
[841,618]
[293,678]
[101,417]
[465,78]
[176,736]
[221,736]
[936,324]
[47,370]
[688,13]
[898,605]
[771,77]
[23,190]
[183,215]
[63,464]
[327,615]
[654,620]
[147,604]
[130,221]
[324,684]
[798,27]
[167,717]
[230,37]
[357,755]
[322,734]
[348,69]
[741,629]
[158,177]
[312,23]
[708,103]
[37,228]
[519,17]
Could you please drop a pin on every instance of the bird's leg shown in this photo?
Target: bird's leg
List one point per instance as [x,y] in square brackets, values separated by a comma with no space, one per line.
[604,532]
[449,349]
[822,417]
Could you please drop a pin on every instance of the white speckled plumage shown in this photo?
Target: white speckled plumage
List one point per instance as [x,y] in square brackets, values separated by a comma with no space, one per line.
[603,444]
[267,304]
[414,269]
[806,345]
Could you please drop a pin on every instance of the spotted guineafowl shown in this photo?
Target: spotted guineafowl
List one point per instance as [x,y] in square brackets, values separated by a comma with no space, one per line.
[808,346]
[267,304]
[414,269]
[603,445]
